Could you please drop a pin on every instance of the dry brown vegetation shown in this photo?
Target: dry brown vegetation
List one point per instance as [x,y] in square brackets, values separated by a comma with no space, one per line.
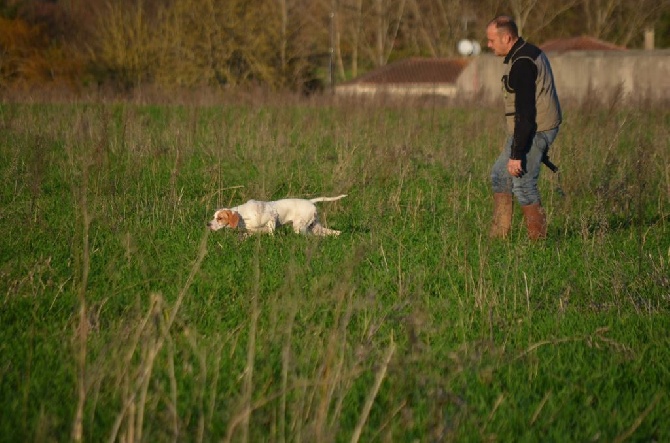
[283,44]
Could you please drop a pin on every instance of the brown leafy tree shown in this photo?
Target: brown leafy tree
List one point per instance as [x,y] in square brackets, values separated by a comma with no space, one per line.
[28,58]
[276,43]
[205,43]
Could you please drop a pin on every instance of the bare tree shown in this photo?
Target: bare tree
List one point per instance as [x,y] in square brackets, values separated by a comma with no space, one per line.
[521,9]
[367,28]
[533,16]
[357,23]
[302,41]
[381,29]
[598,15]
[546,14]
[621,21]
[336,14]
[437,25]
[633,18]
[285,43]
[418,26]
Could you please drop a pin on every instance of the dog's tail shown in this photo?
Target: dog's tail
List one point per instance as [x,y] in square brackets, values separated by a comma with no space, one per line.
[327,199]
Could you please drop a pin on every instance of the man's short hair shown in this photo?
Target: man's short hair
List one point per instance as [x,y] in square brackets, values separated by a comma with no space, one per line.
[505,23]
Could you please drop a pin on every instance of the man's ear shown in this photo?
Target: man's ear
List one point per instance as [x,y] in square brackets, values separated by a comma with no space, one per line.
[233,219]
[508,38]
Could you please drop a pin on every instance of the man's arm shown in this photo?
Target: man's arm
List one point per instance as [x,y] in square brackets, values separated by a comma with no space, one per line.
[522,77]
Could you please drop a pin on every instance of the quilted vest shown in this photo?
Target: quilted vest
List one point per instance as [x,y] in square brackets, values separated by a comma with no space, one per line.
[546,99]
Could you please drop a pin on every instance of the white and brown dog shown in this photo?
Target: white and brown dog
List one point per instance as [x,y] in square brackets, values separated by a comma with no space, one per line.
[266,216]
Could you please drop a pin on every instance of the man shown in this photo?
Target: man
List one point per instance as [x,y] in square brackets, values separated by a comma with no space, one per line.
[533,116]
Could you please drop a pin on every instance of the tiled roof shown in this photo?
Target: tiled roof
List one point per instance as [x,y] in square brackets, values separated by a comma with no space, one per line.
[583,43]
[416,70]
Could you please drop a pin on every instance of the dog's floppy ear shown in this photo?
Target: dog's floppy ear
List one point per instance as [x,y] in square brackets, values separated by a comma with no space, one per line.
[233,219]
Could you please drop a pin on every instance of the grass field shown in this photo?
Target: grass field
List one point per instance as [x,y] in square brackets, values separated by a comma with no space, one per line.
[124,319]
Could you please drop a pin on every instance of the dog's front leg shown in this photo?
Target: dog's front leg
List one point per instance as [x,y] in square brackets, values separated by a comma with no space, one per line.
[271,226]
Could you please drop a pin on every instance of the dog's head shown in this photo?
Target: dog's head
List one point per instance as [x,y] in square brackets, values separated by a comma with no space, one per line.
[224,218]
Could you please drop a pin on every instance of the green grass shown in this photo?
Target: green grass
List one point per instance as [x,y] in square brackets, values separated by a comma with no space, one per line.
[412,325]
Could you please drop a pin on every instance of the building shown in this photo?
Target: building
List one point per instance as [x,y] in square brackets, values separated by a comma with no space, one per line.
[584,68]
[414,76]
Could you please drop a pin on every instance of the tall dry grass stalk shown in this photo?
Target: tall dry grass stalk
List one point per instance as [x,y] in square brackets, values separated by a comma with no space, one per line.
[247,390]
[79,158]
[157,329]
[638,421]
[135,383]
[367,406]
[81,333]
[242,418]
[285,367]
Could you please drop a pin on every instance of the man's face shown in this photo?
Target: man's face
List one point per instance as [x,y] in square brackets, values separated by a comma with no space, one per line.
[498,41]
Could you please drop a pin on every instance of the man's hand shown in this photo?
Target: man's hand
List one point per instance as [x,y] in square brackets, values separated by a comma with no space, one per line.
[514,168]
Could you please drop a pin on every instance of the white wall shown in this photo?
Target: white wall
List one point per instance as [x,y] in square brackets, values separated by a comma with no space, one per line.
[582,75]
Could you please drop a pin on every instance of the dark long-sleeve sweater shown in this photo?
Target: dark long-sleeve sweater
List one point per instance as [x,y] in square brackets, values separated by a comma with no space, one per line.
[531,102]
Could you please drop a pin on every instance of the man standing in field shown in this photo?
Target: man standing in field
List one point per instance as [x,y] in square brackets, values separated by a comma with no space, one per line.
[533,116]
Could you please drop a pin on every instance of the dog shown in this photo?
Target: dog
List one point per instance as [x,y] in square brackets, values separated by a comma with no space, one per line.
[257,216]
